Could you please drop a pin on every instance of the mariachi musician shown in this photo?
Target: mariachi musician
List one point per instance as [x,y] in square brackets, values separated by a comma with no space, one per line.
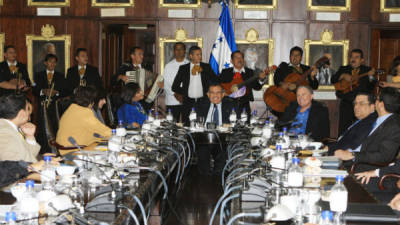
[240,74]
[13,75]
[363,75]
[285,71]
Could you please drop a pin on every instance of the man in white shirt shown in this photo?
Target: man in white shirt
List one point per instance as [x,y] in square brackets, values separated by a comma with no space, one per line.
[17,134]
[171,69]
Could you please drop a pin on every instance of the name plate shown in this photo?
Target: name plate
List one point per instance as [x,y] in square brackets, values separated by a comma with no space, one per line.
[255,14]
[112,12]
[48,11]
[394,17]
[328,16]
[324,95]
[180,13]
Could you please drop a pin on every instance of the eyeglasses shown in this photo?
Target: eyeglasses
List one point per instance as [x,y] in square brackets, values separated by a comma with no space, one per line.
[360,103]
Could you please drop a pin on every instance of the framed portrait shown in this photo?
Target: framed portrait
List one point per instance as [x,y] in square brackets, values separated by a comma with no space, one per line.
[52,3]
[113,3]
[167,46]
[39,46]
[335,50]
[390,6]
[180,3]
[258,54]
[255,4]
[1,2]
[329,5]
[2,40]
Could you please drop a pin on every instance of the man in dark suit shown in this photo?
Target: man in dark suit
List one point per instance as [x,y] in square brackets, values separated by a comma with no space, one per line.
[192,82]
[10,69]
[383,142]
[239,71]
[366,85]
[308,116]
[364,110]
[82,74]
[214,109]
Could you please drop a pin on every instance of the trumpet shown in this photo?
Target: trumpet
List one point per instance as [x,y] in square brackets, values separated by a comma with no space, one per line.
[48,99]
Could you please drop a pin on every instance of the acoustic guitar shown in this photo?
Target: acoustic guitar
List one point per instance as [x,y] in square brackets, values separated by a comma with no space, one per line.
[345,86]
[278,98]
[237,86]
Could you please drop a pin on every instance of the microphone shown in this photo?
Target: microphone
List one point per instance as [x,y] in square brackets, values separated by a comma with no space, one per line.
[73,142]
[297,125]
[283,124]
[96,135]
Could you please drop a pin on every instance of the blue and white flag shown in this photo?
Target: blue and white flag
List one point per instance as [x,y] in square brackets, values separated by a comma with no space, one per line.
[225,43]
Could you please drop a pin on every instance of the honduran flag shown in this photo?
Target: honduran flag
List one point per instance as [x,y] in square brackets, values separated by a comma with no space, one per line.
[225,43]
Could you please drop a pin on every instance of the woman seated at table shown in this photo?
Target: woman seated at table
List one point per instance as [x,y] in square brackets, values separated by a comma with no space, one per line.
[131,113]
[393,78]
[79,121]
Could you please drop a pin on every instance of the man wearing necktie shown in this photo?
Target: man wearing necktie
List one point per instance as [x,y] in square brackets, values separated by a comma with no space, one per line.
[82,74]
[215,109]
[239,71]
[10,69]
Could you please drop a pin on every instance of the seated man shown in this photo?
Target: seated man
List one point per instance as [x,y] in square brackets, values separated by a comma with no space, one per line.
[309,117]
[17,135]
[383,141]
[215,109]
[364,110]
[79,121]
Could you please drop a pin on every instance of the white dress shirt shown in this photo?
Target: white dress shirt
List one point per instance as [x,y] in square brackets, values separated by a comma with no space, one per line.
[79,68]
[47,72]
[170,71]
[195,85]
[14,63]
[211,114]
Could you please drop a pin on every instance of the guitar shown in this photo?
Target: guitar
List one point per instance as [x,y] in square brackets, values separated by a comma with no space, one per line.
[345,86]
[236,88]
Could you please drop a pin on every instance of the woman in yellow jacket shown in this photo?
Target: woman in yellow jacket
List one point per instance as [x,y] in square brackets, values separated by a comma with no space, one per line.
[79,121]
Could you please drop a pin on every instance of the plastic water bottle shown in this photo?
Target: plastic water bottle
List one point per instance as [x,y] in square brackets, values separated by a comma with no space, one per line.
[192,118]
[29,205]
[170,117]
[281,141]
[243,116]
[267,131]
[278,160]
[253,118]
[114,143]
[48,174]
[326,218]
[286,136]
[233,117]
[271,122]
[120,131]
[157,121]
[11,218]
[295,174]
[338,199]
[150,118]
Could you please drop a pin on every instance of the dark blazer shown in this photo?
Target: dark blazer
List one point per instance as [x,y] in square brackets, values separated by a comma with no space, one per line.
[91,76]
[41,83]
[6,75]
[226,107]
[284,70]
[381,146]
[182,79]
[353,137]
[226,76]
[318,119]
[365,85]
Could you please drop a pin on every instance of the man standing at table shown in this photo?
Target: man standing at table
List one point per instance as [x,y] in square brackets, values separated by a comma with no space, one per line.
[170,71]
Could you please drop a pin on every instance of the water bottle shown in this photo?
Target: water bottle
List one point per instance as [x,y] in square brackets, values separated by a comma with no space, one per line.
[253,118]
[150,118]
[326,218]
[243,116]
[281,141]
[271,122]
[48,174]
[192,118]
[286,136]
[338,199]
[233,117]
[114,142]
[120,131]
[170,117]
[157,121]
[11,218]
[267,131]
[278,160]
[29,205]
[295,174]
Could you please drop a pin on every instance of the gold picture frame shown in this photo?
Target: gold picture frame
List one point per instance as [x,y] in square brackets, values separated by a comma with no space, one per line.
[179,5]
[180,36]
[250,6]
[48,35]
[252,38]
[2,41]
[113,4]
[388,10]
[327,40]
[49,4]
[1,2]
[345,8]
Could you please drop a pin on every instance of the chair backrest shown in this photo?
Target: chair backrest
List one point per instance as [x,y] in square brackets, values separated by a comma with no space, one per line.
[111,111]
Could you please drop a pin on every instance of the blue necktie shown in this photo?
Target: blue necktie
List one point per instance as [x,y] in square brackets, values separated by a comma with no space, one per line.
[216,116]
